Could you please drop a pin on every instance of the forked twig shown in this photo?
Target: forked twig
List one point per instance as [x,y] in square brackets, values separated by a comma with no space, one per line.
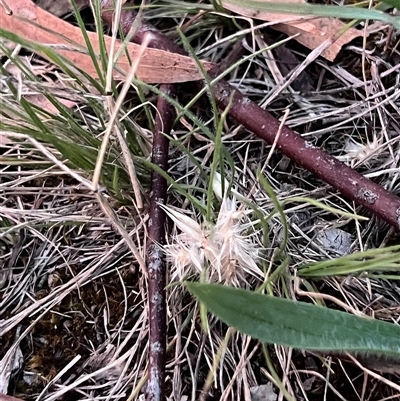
[346,180]
[349,182]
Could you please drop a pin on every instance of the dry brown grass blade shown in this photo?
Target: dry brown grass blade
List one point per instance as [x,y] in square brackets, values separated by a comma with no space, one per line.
[157,66]
[310,33]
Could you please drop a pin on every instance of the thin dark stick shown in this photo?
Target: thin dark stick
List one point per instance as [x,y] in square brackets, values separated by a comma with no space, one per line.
[346,180]
[155,259]
[155,390]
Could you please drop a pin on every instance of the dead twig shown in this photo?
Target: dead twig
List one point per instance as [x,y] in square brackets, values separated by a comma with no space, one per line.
[156,225]
[155,258]
[346,180]
[343,178]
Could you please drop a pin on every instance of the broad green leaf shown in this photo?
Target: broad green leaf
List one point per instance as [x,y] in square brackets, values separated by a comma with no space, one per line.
[298,324]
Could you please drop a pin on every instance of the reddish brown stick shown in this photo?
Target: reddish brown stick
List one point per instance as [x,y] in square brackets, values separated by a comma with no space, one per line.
[343,178]
[155,390]
[155,259]
[346,180]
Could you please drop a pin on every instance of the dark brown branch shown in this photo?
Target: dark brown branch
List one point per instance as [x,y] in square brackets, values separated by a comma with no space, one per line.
[346,180]
[155,260]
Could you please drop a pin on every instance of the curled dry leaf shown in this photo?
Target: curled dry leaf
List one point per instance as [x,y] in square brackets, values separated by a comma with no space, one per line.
[32,23]
[311,32]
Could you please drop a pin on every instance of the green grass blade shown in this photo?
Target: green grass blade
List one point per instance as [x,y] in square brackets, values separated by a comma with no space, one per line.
[298,324]
[88,43]
[393,3]
[373,260]
[319,10]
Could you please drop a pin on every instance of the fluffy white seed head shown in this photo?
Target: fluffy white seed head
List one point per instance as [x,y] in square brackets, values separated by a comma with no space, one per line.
[224,248]
[360,152]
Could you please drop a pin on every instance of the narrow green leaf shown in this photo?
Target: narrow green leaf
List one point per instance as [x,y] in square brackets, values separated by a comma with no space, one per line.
[89,46]
[319,10]
[298,324]
[373,260]
[393,3]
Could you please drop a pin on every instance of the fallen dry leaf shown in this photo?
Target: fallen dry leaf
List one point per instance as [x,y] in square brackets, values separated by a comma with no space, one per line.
[311,32]
[156,66]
